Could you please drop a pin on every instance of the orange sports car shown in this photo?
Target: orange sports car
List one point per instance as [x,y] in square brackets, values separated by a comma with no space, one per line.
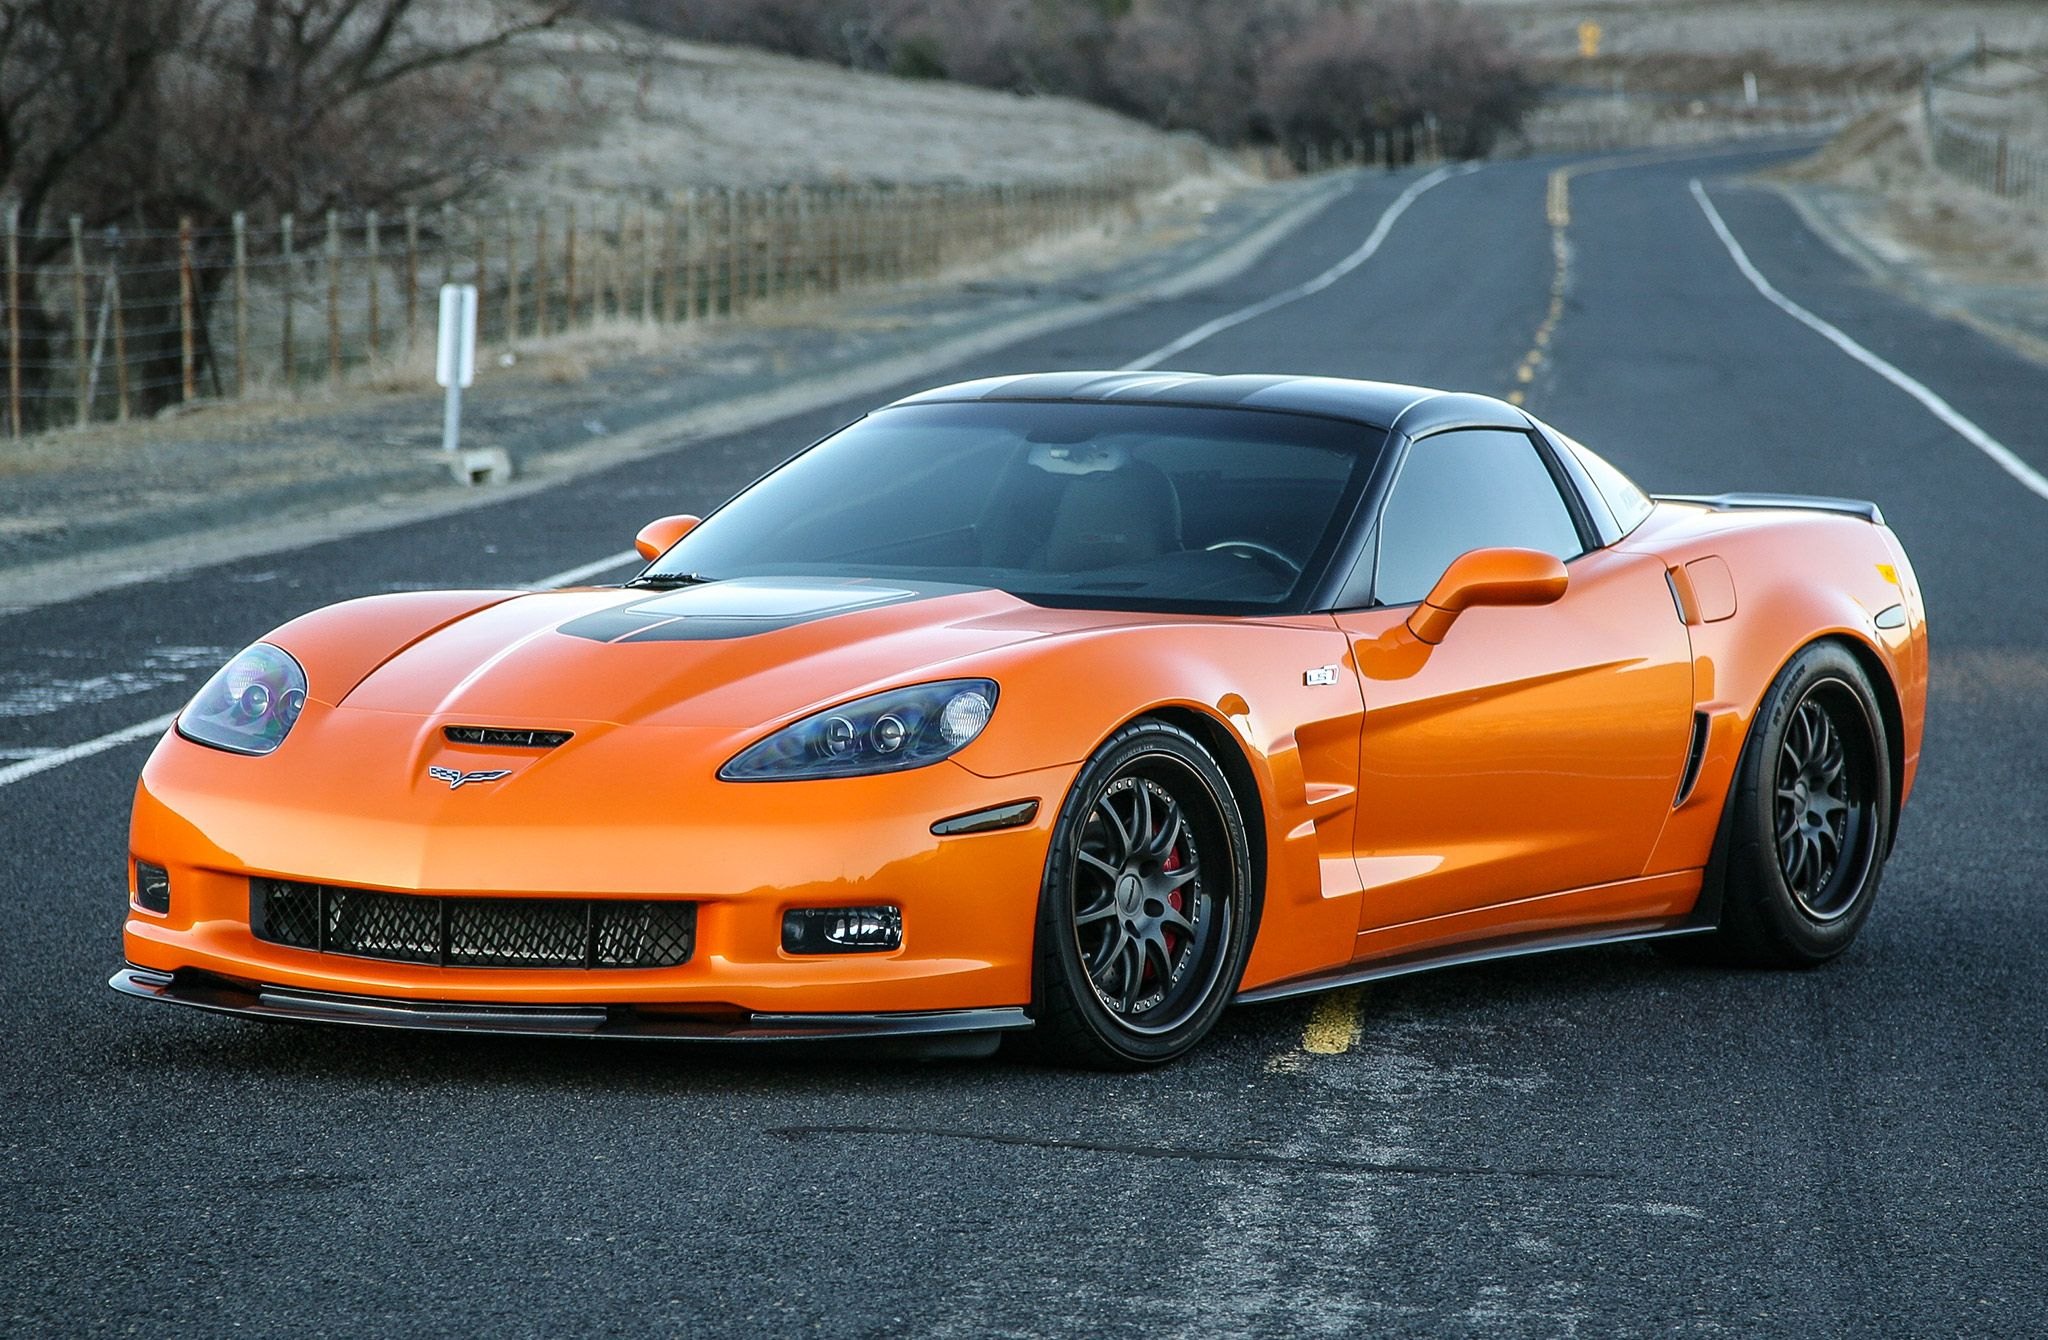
[1080,703]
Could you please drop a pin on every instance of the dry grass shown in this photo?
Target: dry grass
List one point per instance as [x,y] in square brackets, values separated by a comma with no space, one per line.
[651,116]
[1920,215]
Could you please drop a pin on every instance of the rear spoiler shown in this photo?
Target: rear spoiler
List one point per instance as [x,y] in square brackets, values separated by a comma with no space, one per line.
[1798,502]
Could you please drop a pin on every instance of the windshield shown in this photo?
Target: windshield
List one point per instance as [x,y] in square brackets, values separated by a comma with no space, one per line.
[1090,505]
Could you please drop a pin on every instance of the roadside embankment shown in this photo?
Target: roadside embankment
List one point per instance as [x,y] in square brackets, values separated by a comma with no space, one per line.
[1877,193]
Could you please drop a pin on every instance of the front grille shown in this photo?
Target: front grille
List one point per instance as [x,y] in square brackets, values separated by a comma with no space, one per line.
[472,932]
[498,737]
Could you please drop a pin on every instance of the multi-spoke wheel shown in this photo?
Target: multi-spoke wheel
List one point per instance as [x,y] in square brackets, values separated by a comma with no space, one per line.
[1809,819]
[1144,923]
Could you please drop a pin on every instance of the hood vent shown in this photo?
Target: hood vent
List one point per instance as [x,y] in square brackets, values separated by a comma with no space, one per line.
[497,737]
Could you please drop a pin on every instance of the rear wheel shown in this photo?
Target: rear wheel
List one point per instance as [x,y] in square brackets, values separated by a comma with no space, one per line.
[1143,916]
[1810,819]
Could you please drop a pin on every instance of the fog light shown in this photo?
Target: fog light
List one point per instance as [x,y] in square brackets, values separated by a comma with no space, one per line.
[152,888]
[842,930]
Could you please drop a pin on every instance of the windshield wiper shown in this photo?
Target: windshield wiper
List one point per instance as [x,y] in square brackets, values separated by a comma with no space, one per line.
[671,579]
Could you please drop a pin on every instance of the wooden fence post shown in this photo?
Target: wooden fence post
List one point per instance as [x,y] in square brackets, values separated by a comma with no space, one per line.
[13,322]
[569,269]
[481,276]
[116,303]
[778,244]
[412,275]
[729,234]
[333,297]
[692,243]
[370,274]
[615,282]
[511,277]
[187,348]
[119,318]
[543,281]
[447,244]
[740,241]
[291,365]
[78,322]
[669,258]
[646,270]
[797,265]
[241,300]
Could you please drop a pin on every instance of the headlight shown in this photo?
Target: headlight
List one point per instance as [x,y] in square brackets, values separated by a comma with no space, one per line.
[249,707]
[885,732]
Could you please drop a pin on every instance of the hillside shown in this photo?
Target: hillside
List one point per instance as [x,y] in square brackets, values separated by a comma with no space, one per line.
[640,114]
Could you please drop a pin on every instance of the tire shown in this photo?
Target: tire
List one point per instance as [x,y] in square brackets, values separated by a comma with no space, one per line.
[1144,919]
[1809,820]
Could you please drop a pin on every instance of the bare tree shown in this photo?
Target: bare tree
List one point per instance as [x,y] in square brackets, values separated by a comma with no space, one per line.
[138,113]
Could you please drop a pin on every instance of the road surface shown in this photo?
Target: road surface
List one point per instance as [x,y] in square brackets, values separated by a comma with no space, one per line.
[1600,1143]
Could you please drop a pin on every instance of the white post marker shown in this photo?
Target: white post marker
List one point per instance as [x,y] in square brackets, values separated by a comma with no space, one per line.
[455,361]
[455,369]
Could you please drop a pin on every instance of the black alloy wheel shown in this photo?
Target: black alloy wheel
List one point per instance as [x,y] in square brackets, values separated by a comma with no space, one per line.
[1808,820]
[1144,920]
[1823,826]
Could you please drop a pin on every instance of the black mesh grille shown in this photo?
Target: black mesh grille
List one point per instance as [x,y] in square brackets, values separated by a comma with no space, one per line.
[499,737]
[473,932]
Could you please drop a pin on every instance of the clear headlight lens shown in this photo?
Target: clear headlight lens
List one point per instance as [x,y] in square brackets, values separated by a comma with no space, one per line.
[249,707]
[885,732]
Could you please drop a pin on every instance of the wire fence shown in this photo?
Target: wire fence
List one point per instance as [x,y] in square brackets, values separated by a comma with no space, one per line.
[2000,144]
[113,323]
[1601,123]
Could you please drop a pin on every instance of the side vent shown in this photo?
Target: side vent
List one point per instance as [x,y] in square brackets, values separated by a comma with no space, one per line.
[1694,757]
[496,737]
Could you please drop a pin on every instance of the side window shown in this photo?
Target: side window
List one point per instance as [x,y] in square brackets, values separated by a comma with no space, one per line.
[1466,490]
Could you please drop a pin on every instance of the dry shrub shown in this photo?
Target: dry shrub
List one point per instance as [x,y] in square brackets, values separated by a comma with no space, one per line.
[1348,73]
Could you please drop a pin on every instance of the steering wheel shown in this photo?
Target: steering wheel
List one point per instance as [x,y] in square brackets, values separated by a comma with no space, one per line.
[1259,551]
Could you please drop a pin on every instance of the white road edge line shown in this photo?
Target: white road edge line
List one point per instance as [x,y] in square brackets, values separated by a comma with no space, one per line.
[1999,453]
[572,576]
[57,758]
[575,576]
[1316,285]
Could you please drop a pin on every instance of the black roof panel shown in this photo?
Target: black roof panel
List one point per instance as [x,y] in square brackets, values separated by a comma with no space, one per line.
[1415,409]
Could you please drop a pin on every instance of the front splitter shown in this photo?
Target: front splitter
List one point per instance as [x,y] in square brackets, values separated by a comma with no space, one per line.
[221,995]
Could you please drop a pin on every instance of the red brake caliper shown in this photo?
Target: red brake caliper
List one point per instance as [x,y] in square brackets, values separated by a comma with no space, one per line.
[1167,867]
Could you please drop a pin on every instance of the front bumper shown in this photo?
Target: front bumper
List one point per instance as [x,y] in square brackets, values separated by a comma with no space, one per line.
[222,995]
[582,824]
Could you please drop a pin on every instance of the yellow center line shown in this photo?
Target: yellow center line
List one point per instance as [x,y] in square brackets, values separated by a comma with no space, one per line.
[1557,209]
[1334,1027]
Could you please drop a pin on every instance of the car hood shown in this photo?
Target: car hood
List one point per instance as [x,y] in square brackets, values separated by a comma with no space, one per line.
[728,653]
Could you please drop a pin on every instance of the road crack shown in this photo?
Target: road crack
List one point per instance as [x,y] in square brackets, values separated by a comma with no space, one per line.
[1365,1167]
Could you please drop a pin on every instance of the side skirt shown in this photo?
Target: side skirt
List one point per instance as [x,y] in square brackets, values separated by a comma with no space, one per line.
[1401,965]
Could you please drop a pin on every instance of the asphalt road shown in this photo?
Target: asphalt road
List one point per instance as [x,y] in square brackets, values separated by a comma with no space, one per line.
[1599,1143]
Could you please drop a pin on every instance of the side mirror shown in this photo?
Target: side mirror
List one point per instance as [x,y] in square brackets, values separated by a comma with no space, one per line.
[1487,577]
[656,537]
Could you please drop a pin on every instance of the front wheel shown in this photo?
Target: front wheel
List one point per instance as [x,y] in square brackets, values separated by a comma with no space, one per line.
[1810,818]
[1144,917]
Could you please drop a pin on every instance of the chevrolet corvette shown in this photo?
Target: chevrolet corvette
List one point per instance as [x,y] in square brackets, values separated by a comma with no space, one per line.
[1077,706]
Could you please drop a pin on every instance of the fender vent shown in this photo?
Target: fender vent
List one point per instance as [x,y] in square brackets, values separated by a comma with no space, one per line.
[1694,757]
[497,737]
